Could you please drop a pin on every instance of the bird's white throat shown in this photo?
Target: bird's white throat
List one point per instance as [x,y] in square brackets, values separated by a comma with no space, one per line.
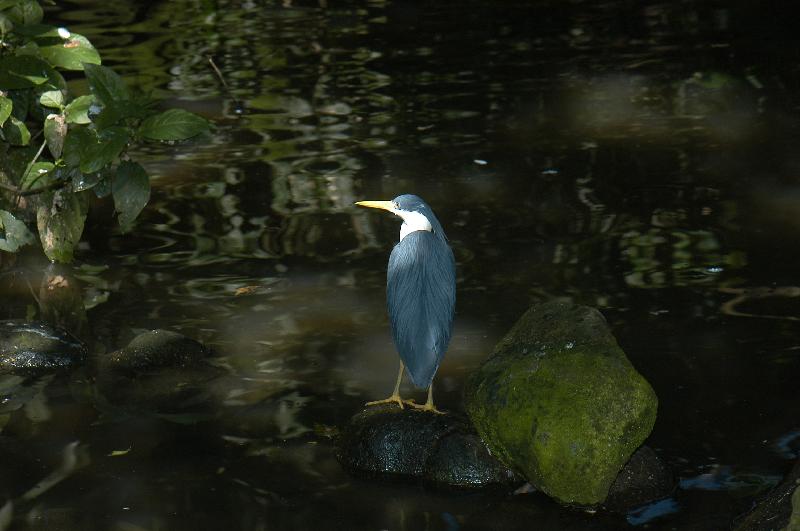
[412,222]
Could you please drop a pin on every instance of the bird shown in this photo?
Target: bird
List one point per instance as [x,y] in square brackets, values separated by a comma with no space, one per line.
[420,295]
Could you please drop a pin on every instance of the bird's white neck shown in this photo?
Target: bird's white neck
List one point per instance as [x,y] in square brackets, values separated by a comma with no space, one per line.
[412,222]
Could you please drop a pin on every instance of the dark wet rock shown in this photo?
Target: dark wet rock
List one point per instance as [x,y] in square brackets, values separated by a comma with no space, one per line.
[386,441]
[154,349]
[35,348]
[462,460]
[559,402]
[774,511]
[644,478]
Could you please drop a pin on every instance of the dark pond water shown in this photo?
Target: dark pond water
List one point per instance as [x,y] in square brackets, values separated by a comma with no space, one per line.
[637,157]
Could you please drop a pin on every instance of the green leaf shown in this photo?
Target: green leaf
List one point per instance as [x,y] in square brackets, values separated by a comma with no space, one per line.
[16,132]
[5,4]
[72,53]
[5,25]
[25,12]
[131,190]
[29,49]
[5,109]
[103,188]
[60,219]
[110,144]
[77,143]
[52,98]
[174,124]
[15,161]
[55,130]
[105,84]
[24,71]
[37,30]
[22,102]
[39,174]
[56,82]
[16,234]
[77,111]
[116,111]
[86,181]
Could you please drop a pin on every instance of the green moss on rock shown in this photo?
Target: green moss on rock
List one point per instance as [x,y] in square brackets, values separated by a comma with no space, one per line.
[794,520]
[559,402]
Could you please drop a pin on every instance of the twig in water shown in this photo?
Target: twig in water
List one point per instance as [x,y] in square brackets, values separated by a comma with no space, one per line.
[237,105]
[219,74]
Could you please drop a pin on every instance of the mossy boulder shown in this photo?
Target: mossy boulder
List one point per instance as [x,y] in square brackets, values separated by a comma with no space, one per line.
[559,402]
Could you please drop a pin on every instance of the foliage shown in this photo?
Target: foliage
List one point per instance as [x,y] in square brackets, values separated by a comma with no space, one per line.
[87,136]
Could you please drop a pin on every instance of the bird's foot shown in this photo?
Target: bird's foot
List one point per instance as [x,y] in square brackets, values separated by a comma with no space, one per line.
[427,406]
[394,399]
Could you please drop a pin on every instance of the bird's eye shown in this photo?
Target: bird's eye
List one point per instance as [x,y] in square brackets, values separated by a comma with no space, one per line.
[396,205]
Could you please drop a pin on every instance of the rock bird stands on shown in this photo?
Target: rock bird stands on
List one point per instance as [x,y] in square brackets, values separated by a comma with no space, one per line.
[420,292]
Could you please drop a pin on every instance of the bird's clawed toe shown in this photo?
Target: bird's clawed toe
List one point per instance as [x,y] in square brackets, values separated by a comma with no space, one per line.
[427,407]
[394,399]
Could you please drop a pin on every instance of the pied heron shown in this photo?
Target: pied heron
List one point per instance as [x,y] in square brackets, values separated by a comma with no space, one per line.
[420,293]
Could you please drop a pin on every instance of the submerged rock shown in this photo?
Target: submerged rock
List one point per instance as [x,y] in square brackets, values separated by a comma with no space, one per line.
[159,371]
[559,402]
[34,348]
[157,348]
[644,478]
[386,441]
[774,511]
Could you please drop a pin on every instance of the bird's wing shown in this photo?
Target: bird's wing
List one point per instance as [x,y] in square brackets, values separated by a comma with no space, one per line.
[421,296]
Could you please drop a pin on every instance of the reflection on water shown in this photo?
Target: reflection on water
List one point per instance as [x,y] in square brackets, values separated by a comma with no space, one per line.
[638,158]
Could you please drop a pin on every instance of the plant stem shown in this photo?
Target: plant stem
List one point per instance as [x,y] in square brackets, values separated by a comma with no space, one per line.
[23,193]
[33,161]
[18,192]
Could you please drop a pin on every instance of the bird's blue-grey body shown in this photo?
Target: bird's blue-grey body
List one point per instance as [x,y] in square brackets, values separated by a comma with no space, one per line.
[421,294]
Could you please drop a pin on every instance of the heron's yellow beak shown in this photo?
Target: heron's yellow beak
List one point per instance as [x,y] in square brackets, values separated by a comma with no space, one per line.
[383,205]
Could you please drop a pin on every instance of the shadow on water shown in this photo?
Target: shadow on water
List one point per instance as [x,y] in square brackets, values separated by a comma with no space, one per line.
[635,157]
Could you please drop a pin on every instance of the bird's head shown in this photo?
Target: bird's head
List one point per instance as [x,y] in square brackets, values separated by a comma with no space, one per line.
[415,212]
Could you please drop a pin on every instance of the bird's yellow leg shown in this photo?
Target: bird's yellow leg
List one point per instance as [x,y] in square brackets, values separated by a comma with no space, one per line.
[395,394]
[428,405]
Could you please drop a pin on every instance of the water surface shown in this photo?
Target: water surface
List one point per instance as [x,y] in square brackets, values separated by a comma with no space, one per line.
[640,159]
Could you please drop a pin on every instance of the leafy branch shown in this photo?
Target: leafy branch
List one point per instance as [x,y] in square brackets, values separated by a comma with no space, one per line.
[87,136]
